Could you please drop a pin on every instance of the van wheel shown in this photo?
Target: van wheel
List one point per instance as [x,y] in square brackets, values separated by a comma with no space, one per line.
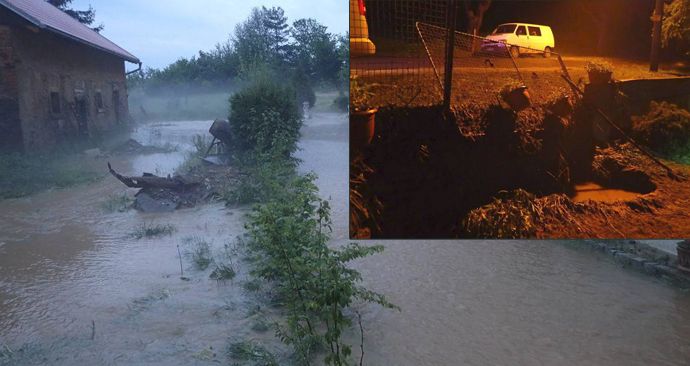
[547,52]
[515,51]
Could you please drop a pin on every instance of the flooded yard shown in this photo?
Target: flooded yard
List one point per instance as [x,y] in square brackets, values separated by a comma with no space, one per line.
[77,288]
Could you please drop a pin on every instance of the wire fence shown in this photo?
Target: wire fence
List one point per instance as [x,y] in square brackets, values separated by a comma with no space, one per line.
[412,58]
[399,72]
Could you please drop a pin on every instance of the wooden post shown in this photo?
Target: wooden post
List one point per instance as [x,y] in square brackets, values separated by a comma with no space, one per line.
[451,16]
[657,18]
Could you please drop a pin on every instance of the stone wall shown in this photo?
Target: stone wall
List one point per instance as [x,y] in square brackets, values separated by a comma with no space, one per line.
[57,80]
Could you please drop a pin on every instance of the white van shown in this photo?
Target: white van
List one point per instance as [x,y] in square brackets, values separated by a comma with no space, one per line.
[522,38]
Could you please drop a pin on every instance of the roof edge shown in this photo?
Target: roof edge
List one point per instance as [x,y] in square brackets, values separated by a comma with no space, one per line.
[41,25]
[132,59]
[22,14]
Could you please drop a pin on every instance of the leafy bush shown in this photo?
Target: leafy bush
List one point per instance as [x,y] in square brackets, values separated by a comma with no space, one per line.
[265,118]
[264,177]
[665,128]
[290,234]
[599,67]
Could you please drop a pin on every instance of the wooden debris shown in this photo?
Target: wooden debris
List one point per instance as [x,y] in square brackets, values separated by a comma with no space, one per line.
[151,181]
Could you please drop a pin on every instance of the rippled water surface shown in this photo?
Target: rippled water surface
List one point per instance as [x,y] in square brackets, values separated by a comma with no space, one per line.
[70,270]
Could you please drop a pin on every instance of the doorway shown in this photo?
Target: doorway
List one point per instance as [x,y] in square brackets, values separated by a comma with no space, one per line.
[116,105]
[82,114]
[10,125]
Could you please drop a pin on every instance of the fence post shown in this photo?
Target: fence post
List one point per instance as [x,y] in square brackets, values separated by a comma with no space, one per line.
[451,16]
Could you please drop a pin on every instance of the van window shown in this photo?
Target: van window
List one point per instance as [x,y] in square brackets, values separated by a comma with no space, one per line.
[534,31]
[505,28]
[521,31]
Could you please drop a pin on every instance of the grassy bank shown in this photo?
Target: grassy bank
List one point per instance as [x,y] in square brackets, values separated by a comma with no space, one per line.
[22,175]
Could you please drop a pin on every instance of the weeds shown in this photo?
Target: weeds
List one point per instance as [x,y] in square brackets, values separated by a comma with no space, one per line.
[151,231]
[260,325]
[193,159]
[223,272]
[117,203]
[252,286]
[250,351]
[200,252]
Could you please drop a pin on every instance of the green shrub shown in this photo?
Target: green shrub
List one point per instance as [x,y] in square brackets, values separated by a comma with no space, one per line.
[290,234]
[264,177]
[665,128]
[265,118]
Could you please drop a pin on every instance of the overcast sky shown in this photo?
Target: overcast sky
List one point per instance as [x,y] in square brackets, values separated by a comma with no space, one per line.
[160,31]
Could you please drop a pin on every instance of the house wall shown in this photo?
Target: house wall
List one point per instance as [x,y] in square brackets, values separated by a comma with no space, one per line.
[10,124]
[46,63]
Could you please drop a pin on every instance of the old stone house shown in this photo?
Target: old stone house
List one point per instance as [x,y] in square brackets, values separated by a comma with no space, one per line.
[60,81]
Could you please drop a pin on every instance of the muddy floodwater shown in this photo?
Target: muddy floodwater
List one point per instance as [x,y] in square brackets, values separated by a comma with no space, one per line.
[77,289]
[595,192]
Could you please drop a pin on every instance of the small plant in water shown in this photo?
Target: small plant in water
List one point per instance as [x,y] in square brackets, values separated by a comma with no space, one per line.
[150,230]
[223,272]
[250,351]
[200,252]
[117,203]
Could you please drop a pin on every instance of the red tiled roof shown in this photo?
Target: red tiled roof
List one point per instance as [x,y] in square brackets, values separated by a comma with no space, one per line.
[45,16]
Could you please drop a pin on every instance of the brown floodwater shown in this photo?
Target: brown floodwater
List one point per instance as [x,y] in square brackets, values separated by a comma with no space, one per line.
[65,262]
[595,192]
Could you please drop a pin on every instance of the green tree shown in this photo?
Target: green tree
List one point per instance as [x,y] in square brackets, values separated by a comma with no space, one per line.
[87,17]
[262,38]
[315,50]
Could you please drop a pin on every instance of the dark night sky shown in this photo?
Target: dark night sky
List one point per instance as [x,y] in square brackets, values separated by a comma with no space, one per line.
[626,30]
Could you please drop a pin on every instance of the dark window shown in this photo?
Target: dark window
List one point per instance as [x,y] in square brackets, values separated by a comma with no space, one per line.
[505,28]
[521,31]
[55,106]
[98,98]
[535,31]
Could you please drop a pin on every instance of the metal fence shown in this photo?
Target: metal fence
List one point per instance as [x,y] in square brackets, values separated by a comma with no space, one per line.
[415,51]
